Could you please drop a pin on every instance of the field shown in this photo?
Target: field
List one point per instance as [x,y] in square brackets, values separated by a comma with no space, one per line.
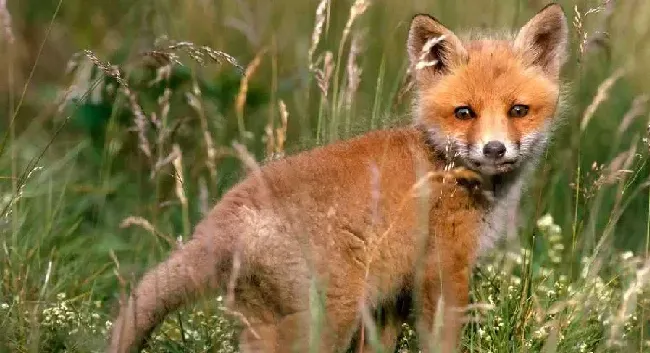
[122,122]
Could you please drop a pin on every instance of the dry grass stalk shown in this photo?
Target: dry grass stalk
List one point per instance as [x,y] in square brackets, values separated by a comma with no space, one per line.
[602,175]
[204,197]
[163,103]
[123,282]
[281,132]
[41,296]
[167,54]
[628,306]
[249,162]
[5,22]
[211,161]
[600,35]
[82,84]
[7,204]
[324,75]
[480,307]
[368,324]
[252,20]
[240,101]
[601,95]
[108,69]
[275,138]
[180,192]
[630,157]
[353,71]
[405,87]
[600,8]
[194,101]
[318,30]
[230,294]
[146,225]
[269,140]
[178,175]
[638,106]
[579,24]
[163,132]
[245,157]
[612,173]
[163,73]
[161,162]
[141,121]
[357,9]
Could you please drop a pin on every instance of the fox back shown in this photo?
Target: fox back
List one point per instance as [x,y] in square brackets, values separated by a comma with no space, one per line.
[380,229]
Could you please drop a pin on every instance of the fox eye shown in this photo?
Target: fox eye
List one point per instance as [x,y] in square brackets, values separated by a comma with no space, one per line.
[464,113]
[518,111]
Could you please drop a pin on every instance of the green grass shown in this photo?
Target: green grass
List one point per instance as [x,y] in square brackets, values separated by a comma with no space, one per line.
[72,169]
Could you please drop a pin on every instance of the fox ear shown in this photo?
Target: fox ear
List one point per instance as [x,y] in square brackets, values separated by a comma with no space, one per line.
[432,48]
[543,40]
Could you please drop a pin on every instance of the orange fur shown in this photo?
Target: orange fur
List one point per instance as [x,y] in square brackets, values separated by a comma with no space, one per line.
[377,222]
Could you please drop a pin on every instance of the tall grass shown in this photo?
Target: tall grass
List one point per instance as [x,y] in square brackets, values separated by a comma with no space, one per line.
[105,167]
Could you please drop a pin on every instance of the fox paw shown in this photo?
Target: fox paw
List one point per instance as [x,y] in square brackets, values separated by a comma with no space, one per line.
[460,175]
[472,181]
[465,176]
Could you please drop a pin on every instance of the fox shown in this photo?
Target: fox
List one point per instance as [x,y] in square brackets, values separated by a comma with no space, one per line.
[379,229]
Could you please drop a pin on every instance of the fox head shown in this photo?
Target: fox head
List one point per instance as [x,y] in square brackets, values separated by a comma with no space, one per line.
[489,102]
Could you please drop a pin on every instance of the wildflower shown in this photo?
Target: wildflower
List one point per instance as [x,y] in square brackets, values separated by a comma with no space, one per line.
[545,221]
[582,347]
[627,255]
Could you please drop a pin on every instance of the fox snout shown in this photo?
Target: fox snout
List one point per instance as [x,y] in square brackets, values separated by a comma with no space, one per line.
[494,156]
[494,150]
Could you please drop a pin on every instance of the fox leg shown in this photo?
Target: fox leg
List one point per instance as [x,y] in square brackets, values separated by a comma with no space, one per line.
[387,335]
[455,290]
[341,323]
[387,326]
[425,303]
[295,333]
[288,334]
[259,339]
[452,290]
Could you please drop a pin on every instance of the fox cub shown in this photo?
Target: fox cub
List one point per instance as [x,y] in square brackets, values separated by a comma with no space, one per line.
[388,224]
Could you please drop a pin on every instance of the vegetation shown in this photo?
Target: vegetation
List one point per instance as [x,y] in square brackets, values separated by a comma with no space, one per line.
[109,156]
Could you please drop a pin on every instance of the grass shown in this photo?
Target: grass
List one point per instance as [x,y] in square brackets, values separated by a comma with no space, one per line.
[102,171]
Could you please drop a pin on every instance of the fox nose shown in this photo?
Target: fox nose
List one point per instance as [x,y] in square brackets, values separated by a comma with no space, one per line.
[494,149]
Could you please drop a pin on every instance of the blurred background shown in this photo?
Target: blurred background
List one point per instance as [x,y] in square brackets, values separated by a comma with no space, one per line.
[109,156]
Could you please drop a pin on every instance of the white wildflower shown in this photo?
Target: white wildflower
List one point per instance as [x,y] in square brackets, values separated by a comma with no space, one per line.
[627,255]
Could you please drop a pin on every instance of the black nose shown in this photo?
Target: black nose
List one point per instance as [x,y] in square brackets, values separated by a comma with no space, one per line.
[494,149]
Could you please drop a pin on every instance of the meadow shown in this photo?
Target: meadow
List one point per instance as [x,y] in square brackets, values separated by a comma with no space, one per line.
[123,122]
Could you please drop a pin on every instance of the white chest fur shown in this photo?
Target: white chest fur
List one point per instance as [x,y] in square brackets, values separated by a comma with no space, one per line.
[503,211]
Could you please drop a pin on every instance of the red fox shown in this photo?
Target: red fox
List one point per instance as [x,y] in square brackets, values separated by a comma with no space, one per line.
[389,223]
